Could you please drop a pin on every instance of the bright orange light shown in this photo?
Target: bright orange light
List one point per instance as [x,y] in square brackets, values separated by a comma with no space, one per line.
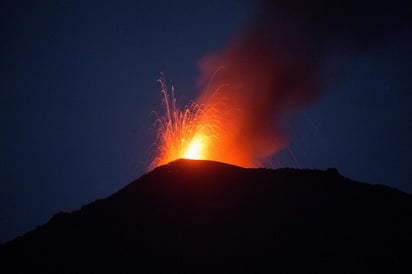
[209,131]
[191,133]
[195,149]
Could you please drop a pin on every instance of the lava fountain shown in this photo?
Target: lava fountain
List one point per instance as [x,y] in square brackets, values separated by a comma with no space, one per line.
[199,131]
[190,132]
[213,129]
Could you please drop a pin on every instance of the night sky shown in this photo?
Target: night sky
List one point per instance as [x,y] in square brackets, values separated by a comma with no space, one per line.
[78,87]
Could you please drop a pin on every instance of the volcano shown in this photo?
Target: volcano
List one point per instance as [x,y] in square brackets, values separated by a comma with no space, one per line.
[205,217]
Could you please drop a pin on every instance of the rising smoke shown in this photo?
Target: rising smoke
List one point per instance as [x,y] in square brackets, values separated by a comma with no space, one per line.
[269,71]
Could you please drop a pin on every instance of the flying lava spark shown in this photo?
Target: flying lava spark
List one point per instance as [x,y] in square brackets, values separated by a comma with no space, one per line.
[190,132]
[200,131]
[211,130]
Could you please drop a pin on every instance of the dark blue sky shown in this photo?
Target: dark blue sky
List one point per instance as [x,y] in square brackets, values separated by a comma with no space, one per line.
[78,84]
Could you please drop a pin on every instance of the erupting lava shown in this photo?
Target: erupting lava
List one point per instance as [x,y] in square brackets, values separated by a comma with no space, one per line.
[189,133]
[196,148]
[222,127]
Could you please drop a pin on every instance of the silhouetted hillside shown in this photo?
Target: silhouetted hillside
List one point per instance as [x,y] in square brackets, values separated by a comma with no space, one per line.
[203,216]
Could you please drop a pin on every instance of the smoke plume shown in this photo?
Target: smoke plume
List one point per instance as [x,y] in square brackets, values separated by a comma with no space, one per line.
[269,71]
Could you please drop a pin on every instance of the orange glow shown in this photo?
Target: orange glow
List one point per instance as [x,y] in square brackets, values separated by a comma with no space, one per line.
[196,147]
[197,131]
[189,133]
[210,130]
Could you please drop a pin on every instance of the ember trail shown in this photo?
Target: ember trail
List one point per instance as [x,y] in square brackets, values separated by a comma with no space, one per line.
[190,132]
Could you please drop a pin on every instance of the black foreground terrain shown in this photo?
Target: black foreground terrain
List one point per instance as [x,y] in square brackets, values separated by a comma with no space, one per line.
[203,216]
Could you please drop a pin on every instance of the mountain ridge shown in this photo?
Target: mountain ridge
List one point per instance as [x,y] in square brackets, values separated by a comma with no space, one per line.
[203,216]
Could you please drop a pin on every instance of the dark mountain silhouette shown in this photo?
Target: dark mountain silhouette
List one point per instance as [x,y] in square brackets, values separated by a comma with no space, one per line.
[203,216]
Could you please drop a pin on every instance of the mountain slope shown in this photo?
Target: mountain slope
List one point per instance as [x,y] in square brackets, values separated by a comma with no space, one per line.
[203,216]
